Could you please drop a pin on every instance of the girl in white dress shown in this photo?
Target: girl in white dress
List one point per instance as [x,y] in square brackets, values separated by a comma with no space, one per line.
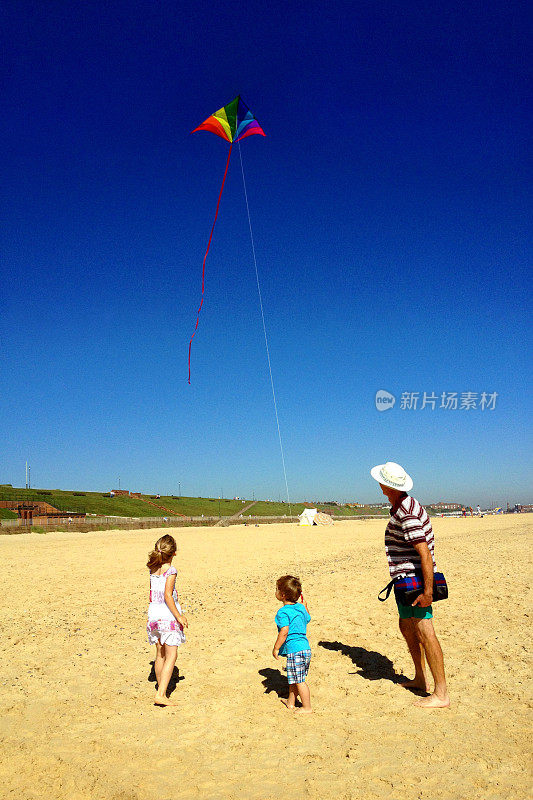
[165,618]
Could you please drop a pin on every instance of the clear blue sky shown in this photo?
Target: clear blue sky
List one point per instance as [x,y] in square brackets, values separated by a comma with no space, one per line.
[390,205]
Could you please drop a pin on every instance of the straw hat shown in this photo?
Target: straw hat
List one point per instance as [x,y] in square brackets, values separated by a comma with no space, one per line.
[391,474]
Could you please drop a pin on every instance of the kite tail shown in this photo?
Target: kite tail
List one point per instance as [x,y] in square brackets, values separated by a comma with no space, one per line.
[205,257]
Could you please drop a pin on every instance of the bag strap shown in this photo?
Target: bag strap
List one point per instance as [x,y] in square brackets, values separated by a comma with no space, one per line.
[388,590]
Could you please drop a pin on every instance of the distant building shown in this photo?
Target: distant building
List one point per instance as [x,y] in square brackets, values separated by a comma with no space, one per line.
[445,505]
[39,512]
[120,491]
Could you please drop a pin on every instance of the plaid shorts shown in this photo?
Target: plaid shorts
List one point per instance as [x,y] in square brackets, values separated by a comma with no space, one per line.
[298,666]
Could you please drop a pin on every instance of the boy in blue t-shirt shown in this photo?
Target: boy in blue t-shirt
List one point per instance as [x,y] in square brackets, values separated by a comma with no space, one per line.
[292,619]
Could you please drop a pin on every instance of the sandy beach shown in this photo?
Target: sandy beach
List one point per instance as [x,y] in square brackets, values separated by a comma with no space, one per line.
[75,696]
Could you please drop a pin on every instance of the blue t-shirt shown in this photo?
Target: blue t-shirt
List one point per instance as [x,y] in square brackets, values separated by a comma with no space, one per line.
[296,616]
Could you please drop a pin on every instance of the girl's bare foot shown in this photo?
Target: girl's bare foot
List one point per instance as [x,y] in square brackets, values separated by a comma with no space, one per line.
[289,706]
[161,700]
[433,702]
[303,710]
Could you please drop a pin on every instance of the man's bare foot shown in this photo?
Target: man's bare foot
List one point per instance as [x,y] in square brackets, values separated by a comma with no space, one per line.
[289,706]
[303,710]
[163,701]
[416,683]
[433,702]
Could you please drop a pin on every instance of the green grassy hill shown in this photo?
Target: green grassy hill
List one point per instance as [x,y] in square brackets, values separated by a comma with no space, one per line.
[264,508]
[101,504]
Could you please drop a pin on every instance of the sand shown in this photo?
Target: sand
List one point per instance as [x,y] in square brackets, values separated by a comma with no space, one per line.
[75,691]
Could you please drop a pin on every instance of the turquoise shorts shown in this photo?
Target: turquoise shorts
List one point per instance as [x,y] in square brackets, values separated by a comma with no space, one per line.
[416,612]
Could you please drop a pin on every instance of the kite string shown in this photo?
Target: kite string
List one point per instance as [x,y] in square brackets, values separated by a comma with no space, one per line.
[265,332]
[205,257]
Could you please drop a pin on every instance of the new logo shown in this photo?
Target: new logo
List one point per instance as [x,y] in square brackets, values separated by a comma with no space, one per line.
[384,400]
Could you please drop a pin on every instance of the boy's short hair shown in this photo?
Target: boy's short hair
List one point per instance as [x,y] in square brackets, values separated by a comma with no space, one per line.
[290,587]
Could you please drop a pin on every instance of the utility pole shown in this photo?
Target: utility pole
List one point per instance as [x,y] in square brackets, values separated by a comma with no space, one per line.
[29,479]
[179,491]
[26,474]
[119,482]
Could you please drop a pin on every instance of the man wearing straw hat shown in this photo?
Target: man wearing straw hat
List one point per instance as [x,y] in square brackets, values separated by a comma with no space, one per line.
[409,544]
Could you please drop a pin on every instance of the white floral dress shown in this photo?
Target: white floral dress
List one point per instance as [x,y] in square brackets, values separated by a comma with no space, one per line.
[162,624]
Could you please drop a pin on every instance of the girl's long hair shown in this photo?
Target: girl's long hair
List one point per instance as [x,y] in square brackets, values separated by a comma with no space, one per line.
[164,549]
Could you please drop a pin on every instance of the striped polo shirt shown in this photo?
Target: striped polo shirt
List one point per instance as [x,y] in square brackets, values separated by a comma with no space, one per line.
[408,524]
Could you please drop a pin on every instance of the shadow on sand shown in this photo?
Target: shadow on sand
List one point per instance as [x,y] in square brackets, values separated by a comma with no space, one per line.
[372,666]
[274,681]
[174,680]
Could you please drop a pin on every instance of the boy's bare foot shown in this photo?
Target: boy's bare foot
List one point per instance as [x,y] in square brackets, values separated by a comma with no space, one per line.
[433,702]
[163,701]
[303,710]
[289,706]
[416,683]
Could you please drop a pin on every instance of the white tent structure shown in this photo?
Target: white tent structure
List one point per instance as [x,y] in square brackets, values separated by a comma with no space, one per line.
[307,517]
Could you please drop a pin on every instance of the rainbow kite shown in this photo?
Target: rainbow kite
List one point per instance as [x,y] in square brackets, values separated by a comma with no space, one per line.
[232,123]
